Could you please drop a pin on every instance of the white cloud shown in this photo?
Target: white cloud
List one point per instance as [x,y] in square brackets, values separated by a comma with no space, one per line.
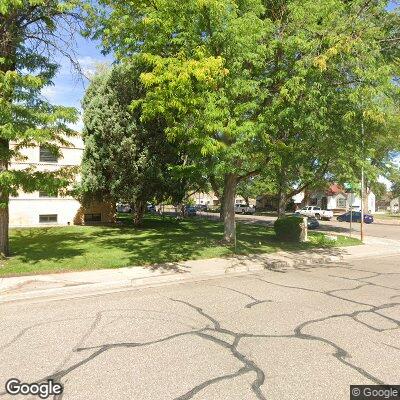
[49,93]
[89,65]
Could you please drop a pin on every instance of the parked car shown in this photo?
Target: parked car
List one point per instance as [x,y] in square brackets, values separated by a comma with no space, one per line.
[312,222]
[243,209]
[151,208]
[123,208]
[317,212]
[190,211]
[356,217]
[201,207]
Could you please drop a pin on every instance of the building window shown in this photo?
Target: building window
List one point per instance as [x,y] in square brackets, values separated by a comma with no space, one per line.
[341,202]
[47,218]
[46,194]
[92,217]
[46,155]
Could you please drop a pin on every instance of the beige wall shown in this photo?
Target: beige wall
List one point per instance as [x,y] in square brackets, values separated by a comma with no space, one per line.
[25,212]
[26,207]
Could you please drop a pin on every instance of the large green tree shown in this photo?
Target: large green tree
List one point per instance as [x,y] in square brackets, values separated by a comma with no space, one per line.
[285,94]
[204,69]
[27,40]
[125,158]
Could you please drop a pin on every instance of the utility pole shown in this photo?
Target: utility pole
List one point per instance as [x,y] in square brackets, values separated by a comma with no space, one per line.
[351,212]
[362,183]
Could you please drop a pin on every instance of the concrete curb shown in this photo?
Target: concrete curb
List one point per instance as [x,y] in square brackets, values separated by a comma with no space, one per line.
[12,289]
[89,283]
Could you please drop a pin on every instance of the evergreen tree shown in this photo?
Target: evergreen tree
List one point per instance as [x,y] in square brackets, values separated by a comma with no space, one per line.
[125,158]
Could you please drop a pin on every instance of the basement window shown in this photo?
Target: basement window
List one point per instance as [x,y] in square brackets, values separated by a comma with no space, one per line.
[47,218]
[92,217]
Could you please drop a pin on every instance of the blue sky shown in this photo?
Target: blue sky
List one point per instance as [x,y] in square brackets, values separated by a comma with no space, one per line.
[69,85]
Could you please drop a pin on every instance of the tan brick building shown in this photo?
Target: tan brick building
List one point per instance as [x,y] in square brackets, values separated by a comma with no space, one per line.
[41,209]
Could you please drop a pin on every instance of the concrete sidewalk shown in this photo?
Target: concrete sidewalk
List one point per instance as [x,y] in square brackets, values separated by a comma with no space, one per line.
[102,281]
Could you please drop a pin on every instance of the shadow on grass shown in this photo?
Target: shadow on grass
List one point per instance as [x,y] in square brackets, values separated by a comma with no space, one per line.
[160,242]
[34,245]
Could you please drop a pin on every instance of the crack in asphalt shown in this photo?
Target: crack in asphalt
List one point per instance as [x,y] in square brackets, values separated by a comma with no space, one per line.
[248,364]
[203,385]
[27,329]
[255,301]
[214,326]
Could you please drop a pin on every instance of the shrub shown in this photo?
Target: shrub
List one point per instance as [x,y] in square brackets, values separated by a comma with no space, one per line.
[289,229]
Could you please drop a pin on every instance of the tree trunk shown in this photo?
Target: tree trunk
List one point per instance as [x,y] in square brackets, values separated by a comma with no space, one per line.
[4,215]
[229,208]
[222,208]
[8,49]
[282,202]
[140,207]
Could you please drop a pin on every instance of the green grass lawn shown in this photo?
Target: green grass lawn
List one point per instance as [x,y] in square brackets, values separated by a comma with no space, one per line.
[74,248]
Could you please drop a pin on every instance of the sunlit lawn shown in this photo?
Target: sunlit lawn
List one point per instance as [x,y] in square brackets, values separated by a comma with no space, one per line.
[57,249]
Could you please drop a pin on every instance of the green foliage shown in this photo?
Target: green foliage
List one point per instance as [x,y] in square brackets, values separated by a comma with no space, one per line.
[26,119]
[288,229]
[126,157]
[203,63]
[284,99]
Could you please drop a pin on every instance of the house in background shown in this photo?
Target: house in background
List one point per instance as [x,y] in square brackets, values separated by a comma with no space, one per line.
[337,199]
[211,200]
[395,205]
[40,208]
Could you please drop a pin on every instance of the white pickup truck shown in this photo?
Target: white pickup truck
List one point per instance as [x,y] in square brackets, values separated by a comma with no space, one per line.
[243,209]
[317,212]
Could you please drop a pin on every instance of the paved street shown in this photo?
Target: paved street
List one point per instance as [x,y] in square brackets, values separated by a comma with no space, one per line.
[304,332]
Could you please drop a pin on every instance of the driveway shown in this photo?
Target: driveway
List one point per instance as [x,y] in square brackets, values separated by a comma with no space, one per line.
[304,333]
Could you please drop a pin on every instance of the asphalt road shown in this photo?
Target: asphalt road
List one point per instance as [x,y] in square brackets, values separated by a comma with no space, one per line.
[304,333]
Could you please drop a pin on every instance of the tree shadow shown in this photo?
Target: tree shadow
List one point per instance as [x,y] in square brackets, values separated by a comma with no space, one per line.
[34,245]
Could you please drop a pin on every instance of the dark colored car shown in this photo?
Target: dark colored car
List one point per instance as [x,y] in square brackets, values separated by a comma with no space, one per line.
[201,207]
[356,217]
[190,211]
[312,223]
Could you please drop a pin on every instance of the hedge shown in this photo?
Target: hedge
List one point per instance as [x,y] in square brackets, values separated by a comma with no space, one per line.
[289,229]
